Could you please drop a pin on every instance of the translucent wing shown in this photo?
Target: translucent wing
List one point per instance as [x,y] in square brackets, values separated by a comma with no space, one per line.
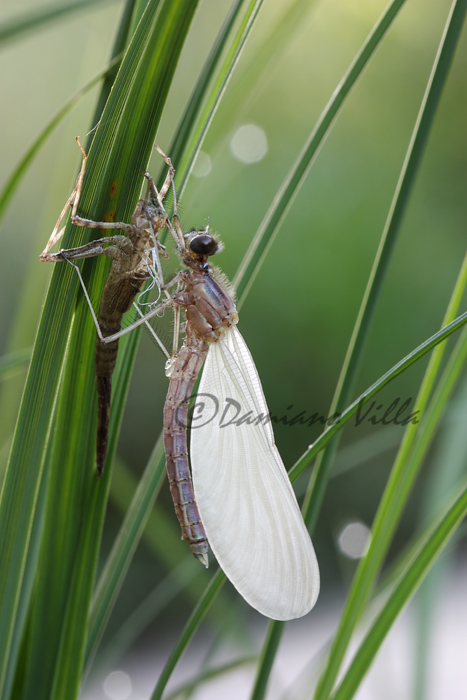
[246,502]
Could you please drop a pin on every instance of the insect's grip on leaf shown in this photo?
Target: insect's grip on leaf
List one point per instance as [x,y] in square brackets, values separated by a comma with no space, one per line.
[135,260]
[237,496]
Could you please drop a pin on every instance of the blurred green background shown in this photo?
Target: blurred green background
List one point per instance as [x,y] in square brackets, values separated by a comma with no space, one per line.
[302,306]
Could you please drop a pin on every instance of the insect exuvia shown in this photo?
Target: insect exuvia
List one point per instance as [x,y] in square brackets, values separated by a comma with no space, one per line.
[241,500]
[135,259]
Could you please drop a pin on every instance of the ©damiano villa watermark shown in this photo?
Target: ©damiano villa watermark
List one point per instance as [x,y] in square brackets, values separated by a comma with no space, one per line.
[229,412]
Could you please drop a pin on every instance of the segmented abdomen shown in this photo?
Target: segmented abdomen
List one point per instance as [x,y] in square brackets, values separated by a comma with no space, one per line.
[185,370]
[117,298]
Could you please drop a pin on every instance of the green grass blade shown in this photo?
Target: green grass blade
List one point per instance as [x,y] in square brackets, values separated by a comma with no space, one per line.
[124,547]
[400,595]
[392,503]
[290,187]
[124,33]
[215,95]
[118,561]
[268,654]
[275,629]
[33,19]
[118,158]
[180,580]
[402,193]
[12,360]
[161,535]
[363,399]
[187,689]
[158,41]
[449,459]
[192,625]
[19,172]
[200,91]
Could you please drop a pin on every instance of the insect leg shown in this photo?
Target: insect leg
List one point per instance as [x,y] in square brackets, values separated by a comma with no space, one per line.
[169,180]
[88,250]
[88,223]
[144,319]
[176,321]
[74,196]
[152,331]
[56,234]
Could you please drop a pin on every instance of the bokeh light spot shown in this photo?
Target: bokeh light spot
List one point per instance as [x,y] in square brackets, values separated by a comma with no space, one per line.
[354,540]
[249,144]
[202,165]
[117,686]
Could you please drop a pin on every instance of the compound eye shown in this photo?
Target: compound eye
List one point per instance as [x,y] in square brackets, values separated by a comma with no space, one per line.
[204,244]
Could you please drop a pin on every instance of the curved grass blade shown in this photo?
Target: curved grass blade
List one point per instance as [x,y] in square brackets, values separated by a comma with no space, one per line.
[289,189]
[109,586]
[117,160]
[415,151]
[363,399]
[197,97]
[148,83]
[19,172]
[179,580]
[449,458]
[118,561]
[187,689]
[406,587]
[207,114]
[33,19]
[381,534]
[192,625]
[14,359]
[120,44]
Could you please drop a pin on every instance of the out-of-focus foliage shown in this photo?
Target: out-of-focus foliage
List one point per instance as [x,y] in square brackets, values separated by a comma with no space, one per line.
[302,306]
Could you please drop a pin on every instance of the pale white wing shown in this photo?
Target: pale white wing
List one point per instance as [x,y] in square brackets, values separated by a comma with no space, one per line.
[246,502]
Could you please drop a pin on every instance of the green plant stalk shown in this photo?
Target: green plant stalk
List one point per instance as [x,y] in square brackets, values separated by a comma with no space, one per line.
[192,625]
[200,91]
[274,218]
[187,689]
[448,465]
[159,57]
[400,595]
[289,189]
[32,19]
[20,514]
[121,42]
[391,506]
[116,567]
[419,352]
[107,595]
[215,96]
[19,172]
[399,202]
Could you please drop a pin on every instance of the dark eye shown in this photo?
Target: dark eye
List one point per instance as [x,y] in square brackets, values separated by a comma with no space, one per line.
[203,244]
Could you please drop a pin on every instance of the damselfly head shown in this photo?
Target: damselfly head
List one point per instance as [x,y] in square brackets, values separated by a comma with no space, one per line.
[201,243]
